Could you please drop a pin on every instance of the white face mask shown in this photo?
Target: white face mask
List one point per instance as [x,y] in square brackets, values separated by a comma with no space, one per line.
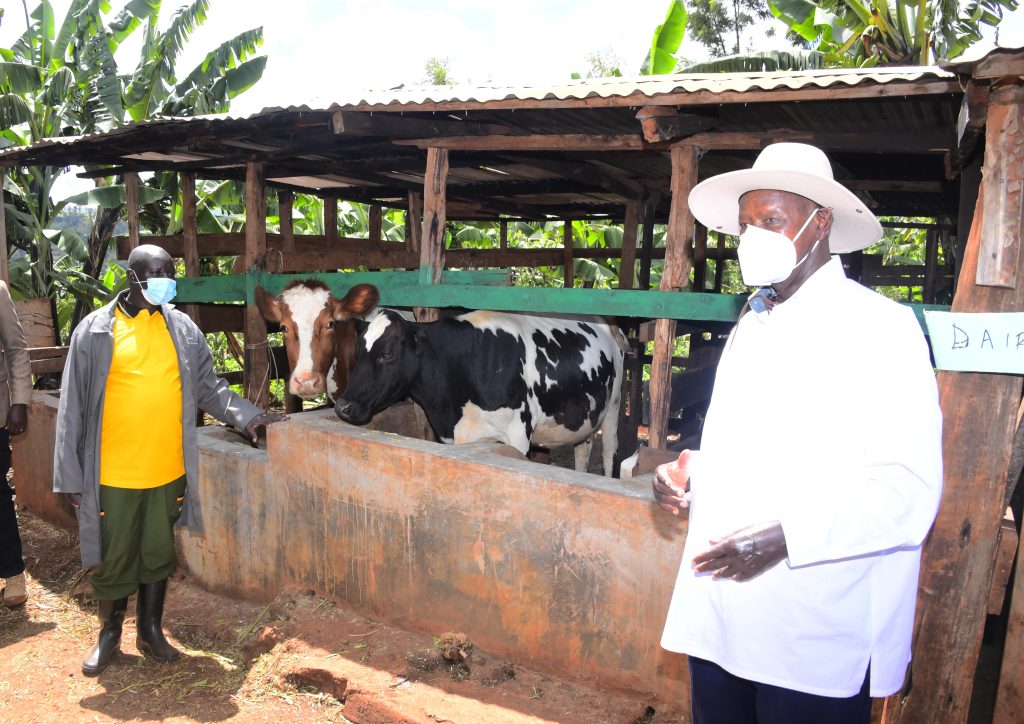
[767,257]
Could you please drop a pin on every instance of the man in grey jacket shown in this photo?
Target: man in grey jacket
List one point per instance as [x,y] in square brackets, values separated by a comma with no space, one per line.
[136,372]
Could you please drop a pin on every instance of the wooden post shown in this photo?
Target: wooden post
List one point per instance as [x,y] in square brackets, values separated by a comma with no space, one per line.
[673,278]
[931,265]
[190,234]
[131,202]
[435,182]
[627,263]
[568,272]
[503,235]
[647,249]
[700,258]
[414,221]
[331,221]
[257,357]
[5,272]
[979,416]
[285,201]
[376,221]
[1010,692]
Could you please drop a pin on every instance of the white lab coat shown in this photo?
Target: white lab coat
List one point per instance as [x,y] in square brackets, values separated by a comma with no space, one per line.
[825,417]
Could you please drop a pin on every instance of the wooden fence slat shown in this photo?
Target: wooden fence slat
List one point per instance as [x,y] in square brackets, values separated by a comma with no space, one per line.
[131,201]
[257,364]
[435,182]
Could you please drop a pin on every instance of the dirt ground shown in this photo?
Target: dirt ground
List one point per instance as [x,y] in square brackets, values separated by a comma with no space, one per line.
[299,658]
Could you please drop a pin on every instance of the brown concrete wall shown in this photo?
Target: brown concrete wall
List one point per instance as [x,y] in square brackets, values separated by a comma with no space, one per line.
[32,462]
[562,571]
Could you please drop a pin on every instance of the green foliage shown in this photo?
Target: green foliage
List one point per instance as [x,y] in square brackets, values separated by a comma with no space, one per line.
[665,43]
[852,33]
[712,22]
[436,72]
[763,62]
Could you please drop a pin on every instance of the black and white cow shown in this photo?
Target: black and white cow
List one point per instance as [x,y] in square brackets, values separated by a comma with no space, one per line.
[549,381]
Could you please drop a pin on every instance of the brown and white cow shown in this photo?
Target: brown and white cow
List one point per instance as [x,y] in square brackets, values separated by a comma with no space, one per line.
[318,331]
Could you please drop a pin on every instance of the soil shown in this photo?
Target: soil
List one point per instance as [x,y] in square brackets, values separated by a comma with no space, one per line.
[300,658]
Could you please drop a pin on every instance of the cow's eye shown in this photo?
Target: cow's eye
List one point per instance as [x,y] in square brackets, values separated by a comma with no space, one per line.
[284,327]
[387,356]
[330,324]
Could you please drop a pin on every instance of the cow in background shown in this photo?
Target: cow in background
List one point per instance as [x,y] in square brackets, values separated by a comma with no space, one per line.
[550,381]
[318,331]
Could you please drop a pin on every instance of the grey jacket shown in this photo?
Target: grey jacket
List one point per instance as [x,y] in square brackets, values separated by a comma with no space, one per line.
[76,458]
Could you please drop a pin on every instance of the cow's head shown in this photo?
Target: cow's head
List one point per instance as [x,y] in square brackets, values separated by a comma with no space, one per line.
[388,355]
[311,322]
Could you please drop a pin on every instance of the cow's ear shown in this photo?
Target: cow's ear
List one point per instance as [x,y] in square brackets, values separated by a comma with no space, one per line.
[360,301]
[268,304]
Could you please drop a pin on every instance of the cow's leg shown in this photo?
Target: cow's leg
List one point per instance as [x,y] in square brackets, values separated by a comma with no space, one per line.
[610,433]
[582,452]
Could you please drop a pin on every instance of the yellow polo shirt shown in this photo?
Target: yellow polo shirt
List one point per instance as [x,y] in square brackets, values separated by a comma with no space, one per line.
[140,437]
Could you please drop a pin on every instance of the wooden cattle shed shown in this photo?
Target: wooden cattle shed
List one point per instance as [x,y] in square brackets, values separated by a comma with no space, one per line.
[913,142]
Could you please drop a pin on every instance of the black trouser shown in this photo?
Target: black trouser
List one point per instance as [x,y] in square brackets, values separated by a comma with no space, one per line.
[11,562]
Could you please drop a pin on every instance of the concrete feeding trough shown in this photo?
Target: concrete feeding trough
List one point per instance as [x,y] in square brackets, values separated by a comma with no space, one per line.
[566,572]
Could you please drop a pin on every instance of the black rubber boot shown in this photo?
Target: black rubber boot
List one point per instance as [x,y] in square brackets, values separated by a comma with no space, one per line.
[149,636]
[109,642]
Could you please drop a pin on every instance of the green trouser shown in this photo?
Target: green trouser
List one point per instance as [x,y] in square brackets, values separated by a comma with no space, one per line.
[136,537]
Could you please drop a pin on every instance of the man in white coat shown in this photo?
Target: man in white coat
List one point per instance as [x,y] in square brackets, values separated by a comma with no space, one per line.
[820,465]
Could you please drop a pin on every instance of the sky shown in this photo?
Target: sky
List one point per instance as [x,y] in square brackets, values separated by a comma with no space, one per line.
[323,51]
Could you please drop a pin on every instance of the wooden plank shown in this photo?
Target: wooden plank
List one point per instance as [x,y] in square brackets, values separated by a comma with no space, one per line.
[627,266]
[503,234]
[233,243]
[1007,542]
[979,416]
[131,201]
[647,247]
[414,222]
[1004,188]
[931,265]
[661,123]
[546,142]
[674,277]
[5,273]
[700,258]
[568,270]
[354,123]
[1010,692]
[376,221]
[285,203]
[47,360]
[257,363]
[435,181]
[936,143]
[190,233]
[970,124]
[347,259]
[331,220]
[36,320]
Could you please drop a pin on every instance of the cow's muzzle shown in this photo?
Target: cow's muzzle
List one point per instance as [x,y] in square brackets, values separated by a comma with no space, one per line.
[351,411]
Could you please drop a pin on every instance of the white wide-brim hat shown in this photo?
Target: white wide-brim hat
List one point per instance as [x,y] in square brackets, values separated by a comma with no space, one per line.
[800,169]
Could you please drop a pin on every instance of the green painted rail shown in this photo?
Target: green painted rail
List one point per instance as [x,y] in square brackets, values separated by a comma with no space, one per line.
[485,290]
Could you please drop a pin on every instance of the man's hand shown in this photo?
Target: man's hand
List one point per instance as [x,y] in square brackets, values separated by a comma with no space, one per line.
[262,421]
[17,419]
[72,499]
[747,553]
[671,483]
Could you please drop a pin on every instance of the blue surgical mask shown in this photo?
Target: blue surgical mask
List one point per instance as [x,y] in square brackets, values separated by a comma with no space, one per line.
[158,290]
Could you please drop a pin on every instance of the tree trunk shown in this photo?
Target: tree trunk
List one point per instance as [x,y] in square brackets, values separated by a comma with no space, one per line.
[98,243]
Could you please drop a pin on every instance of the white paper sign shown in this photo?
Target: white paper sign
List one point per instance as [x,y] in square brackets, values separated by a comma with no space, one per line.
[977,342]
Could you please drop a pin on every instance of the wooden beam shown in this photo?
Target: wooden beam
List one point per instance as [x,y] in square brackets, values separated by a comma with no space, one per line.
[1004,187]
[331,219]
[257,362]
[414,221]
[938,187]
[131,201]
[435,182]
[1000,64]
[700,258]
[588,174]
[375,223]
[546,142]
[397,126]
[1010,692]
[568,270]
[936,143]
[627,265]
[233,243]
[970,124]
[663,123]
[647,247]
[503,234]
[979,418]
[190,233]
[285,202]
[674,277]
